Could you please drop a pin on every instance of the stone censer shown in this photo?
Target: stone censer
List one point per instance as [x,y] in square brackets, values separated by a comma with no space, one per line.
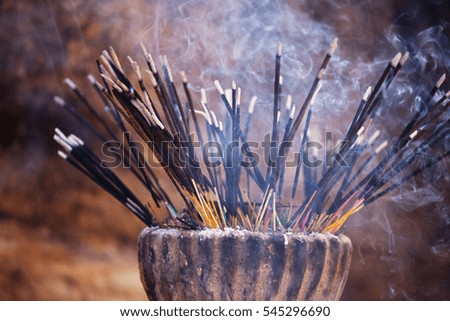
[230,264]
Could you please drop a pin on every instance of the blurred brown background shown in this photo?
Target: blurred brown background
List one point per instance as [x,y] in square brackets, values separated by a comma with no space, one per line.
[62,238]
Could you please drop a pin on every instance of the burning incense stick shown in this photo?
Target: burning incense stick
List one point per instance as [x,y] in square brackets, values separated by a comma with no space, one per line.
[213,194]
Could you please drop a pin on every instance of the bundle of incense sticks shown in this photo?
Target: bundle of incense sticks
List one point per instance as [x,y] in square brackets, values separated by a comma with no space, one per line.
[229,194]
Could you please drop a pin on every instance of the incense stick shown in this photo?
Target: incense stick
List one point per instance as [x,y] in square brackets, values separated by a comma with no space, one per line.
[214,196]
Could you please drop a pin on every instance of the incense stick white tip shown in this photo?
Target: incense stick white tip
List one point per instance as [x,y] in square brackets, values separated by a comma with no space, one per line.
[115,59]
[106,67]
[413,134]
[112,83]
[91,79]
[155,118]
[183,76]
[219,87]
[321,73]
[404,58]
[106,55]
[206,116]
[220,126]
[143,49]
[280,81]
[441,81]
[130,201]
[59,100]
[373,137]
[228,94]
[238,96]
[203,98]
[278,116]
[233,85]
[62,154]
[367,93]
[103,70]
[252,105]
[214,119]
[360,130]
[169,73]
[360,138]
[62,143]
[150,60]
[137,70]
[291,115]
[288,102]
[148,57]
[76,139]
[381,147]
[131,61]
[132,205]
[165,62]
[158,122]
[152,78]
[358,141]
[164,59]
[72,142]
[60,133]
[70,83]
[396,59]
[333,46]
[313,98]
[135,67]
[279,48]
[206,110]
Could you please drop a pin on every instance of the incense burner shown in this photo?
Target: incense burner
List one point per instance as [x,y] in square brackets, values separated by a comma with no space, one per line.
[242,265]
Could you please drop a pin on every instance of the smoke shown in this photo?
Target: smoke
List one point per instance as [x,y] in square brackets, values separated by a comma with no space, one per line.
[231,40]
[237,40]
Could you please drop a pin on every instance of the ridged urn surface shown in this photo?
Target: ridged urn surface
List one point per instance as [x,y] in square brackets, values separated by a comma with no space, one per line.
[241,265]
